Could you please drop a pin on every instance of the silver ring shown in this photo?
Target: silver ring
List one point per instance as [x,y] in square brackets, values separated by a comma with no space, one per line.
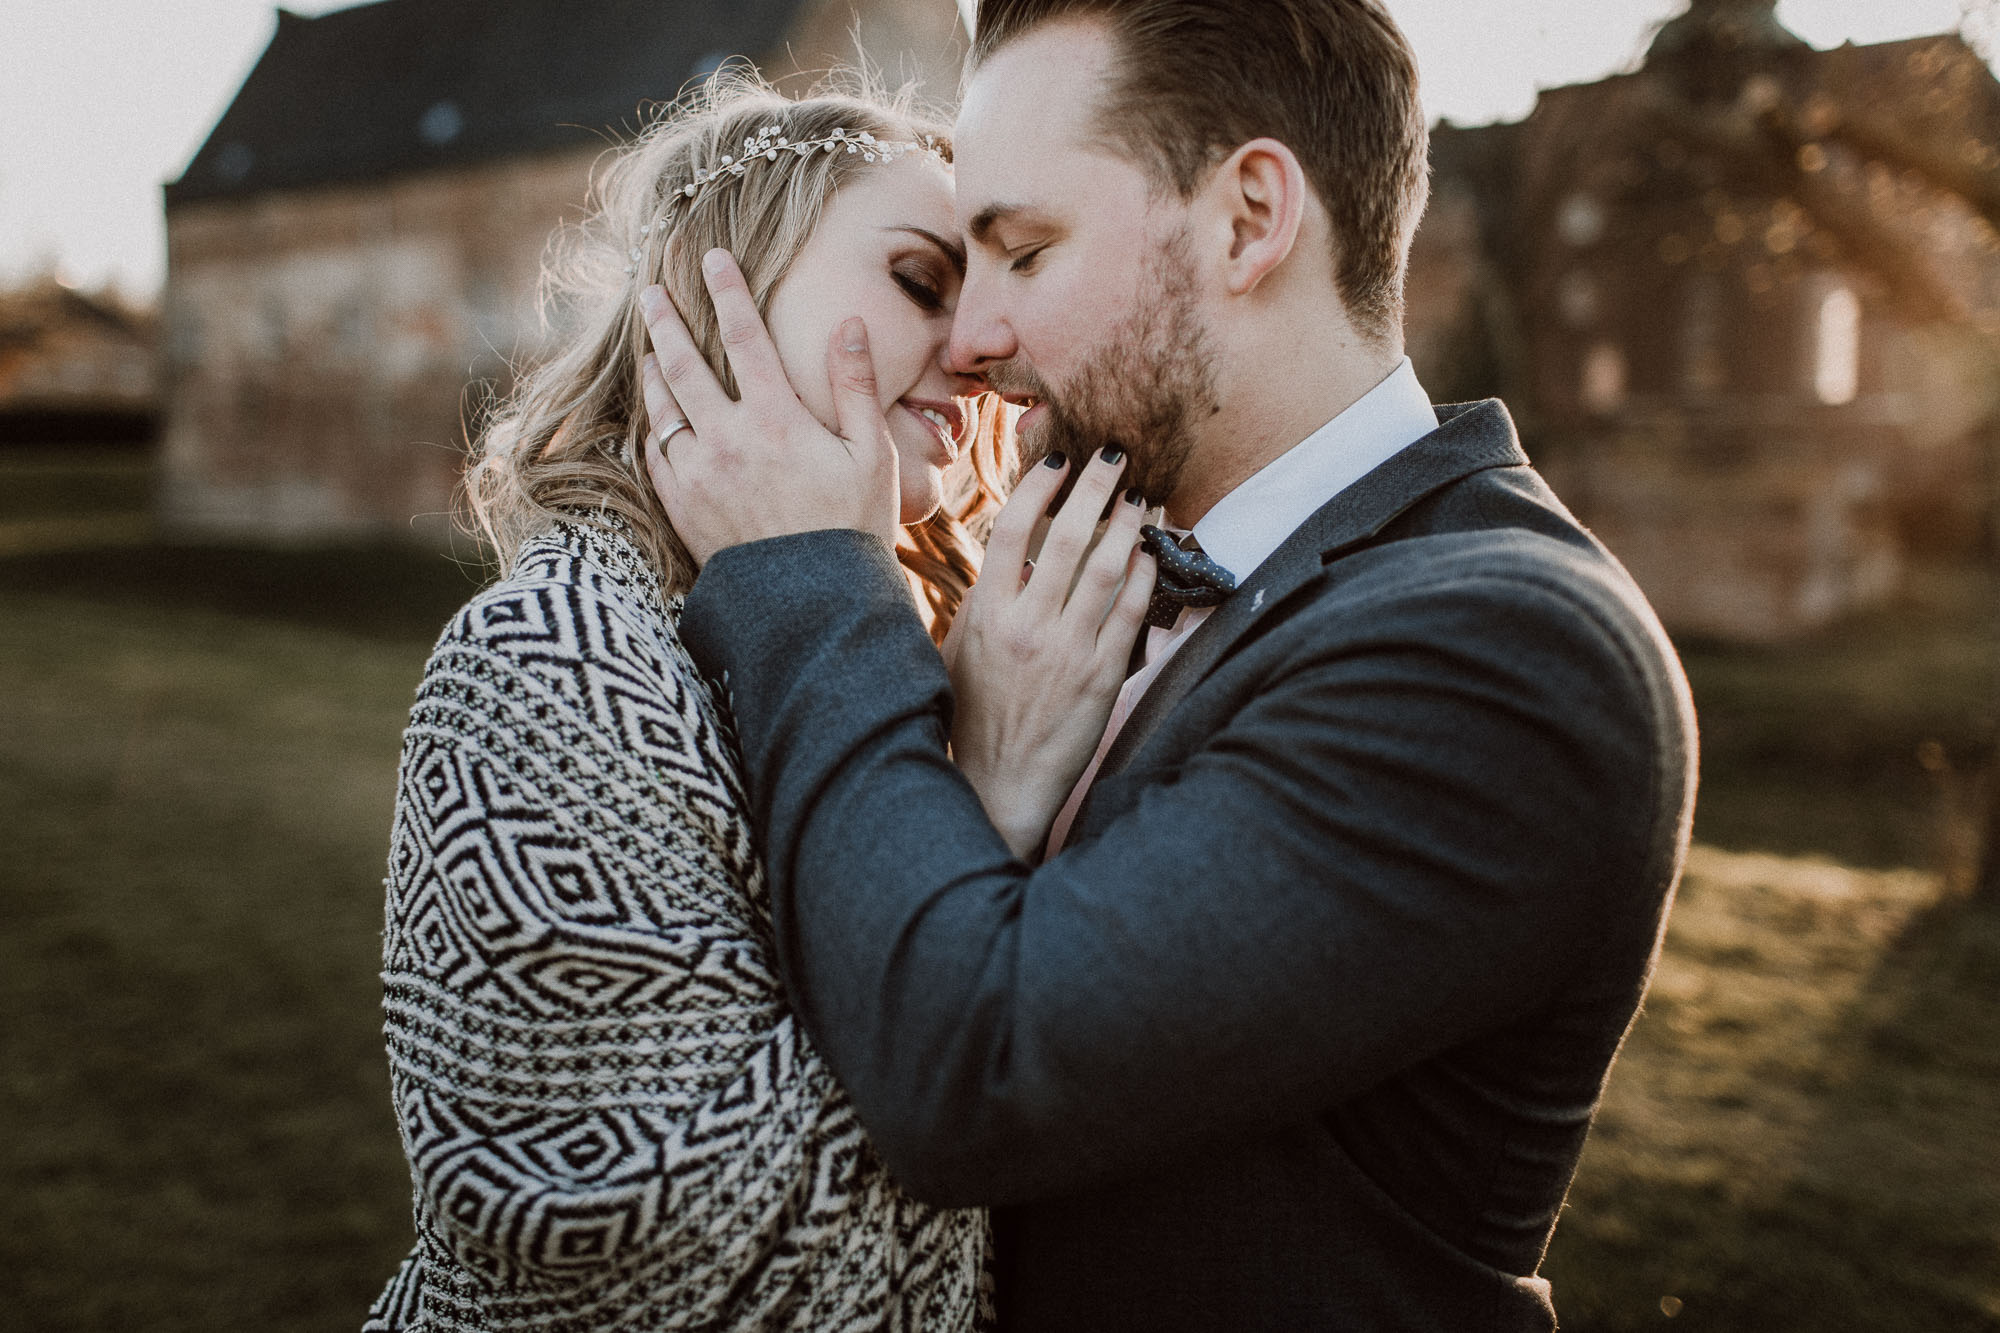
[668,431]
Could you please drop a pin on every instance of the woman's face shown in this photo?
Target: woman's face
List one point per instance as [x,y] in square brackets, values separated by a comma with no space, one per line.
[885,250]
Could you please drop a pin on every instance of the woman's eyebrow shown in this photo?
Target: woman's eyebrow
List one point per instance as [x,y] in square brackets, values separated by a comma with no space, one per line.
[952,250]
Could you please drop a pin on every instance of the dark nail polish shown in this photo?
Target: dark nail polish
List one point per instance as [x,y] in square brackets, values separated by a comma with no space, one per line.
[1056,460]
[1133,498]
[1111,453]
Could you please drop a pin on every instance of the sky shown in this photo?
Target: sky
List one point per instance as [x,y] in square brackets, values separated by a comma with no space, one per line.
[101,101]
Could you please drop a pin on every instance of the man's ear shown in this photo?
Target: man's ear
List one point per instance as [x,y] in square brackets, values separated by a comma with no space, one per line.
[1262,192]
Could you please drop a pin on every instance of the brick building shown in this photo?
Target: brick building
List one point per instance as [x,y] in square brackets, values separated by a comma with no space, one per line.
[353,253]
[1745,301]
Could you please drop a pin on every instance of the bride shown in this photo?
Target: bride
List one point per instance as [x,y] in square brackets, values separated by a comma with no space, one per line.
[610,1113]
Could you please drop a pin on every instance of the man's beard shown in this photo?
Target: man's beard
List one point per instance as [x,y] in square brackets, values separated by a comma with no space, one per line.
[1144,390]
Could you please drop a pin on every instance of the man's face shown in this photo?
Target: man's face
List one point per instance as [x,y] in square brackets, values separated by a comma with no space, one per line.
[1079,290]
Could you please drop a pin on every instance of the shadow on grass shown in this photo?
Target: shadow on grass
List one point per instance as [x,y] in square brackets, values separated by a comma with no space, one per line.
[1839,1175]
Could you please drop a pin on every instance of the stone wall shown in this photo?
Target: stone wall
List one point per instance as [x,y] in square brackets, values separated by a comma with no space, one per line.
[327,349]
[324,348]
[1738,531]
[1767,393]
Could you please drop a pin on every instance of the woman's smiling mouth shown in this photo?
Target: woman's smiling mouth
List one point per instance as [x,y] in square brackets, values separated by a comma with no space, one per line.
[945,419]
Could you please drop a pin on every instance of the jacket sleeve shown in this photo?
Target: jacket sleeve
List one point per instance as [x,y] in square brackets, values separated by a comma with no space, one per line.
[1404,836]
[594,1073]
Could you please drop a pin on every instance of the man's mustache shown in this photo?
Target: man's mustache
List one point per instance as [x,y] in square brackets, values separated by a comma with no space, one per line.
[1010,380]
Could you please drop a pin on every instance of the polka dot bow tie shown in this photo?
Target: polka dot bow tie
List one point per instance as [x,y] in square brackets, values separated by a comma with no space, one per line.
[1187,576]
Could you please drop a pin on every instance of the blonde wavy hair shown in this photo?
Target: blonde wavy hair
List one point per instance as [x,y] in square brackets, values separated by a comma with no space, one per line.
[567,442]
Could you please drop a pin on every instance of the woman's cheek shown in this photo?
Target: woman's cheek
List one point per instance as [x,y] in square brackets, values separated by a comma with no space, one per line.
[807,373]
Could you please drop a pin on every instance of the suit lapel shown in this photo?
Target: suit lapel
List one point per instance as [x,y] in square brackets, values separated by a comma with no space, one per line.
[1470,438]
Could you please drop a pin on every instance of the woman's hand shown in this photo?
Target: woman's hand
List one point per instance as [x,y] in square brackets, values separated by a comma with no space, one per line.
[760,465]
[1038,651]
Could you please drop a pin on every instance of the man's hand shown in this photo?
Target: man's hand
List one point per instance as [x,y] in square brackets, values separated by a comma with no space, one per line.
[761,466]
[1037,661]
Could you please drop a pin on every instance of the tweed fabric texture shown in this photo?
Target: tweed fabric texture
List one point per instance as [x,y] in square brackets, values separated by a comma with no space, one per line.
[611,1116]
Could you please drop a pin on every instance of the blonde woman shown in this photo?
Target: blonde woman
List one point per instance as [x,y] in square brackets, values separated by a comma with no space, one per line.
[611,1116]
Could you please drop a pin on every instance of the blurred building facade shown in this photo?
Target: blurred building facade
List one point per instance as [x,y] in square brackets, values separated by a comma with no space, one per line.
[1745,301]
[75,368]
[353,255]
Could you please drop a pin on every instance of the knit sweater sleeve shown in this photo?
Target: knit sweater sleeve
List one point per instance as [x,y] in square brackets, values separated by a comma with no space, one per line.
[600,1091]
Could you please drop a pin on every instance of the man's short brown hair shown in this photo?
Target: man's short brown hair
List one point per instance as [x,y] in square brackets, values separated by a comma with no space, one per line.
[1333,80]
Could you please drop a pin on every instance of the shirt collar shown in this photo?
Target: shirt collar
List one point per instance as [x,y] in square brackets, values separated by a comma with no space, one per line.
[1246,525]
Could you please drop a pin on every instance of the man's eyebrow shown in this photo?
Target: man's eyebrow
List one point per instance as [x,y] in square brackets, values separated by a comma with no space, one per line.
[989,217]
[952,249]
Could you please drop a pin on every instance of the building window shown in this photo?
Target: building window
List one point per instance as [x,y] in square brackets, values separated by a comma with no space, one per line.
[1581,221]
[183,336]
[1605,376]
[1837,347]
[1703,372]
[271,327]
[351,327]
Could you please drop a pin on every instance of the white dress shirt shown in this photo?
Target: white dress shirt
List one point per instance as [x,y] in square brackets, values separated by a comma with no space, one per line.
[1245,526]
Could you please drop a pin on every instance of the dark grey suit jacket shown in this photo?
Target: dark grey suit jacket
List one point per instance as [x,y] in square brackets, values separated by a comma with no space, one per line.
[1305,1027]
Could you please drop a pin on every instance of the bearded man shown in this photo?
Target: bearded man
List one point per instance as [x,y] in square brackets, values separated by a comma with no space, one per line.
[1302,1017]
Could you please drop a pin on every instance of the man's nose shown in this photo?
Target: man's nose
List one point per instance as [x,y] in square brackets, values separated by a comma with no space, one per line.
[964,383]
[980,333]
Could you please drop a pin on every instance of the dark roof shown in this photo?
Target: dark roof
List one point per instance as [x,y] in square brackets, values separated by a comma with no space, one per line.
[28,312]
[413,85]
[1712,27]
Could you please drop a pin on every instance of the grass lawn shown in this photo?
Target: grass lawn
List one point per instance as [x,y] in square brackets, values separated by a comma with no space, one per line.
[196,767]
[196,761]
[1862,742]
[1799,1136]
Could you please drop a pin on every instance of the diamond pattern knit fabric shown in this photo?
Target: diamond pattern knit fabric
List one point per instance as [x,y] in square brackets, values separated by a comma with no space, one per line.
[611,1117]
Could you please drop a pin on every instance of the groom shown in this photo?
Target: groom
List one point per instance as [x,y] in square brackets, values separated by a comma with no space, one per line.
[1304,1024]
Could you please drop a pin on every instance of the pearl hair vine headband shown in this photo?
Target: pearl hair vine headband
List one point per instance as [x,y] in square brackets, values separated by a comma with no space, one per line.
[768,145]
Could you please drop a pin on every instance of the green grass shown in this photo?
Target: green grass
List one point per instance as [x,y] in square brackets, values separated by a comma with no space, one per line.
[35,482]
[1799,1135]
[1864,742]
[196,765]
[196,797]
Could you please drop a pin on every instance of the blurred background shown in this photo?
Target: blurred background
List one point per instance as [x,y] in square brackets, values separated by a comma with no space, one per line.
[1735,267]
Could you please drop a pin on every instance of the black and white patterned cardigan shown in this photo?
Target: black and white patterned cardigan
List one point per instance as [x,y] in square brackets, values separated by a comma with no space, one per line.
[611,1116]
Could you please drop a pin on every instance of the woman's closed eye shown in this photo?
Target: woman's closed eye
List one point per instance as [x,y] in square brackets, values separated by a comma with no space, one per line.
[921,286]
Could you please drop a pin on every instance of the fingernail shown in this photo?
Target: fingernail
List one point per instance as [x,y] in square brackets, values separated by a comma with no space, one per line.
[854,335]
[1111,453]
[1057,460]
[649,362]
[651,301]
[1133,498]
[715,261]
